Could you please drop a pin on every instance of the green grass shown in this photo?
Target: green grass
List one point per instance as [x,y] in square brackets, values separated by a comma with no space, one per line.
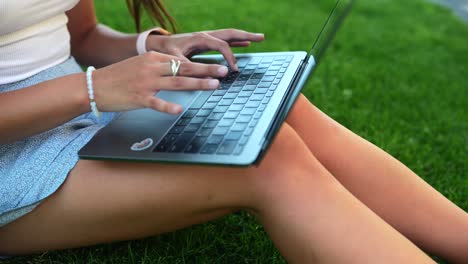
[397,74]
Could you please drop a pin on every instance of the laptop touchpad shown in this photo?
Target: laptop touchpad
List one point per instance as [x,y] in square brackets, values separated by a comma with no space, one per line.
[183,98]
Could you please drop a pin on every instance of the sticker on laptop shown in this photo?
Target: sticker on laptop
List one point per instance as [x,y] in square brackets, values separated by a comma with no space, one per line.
[142,145]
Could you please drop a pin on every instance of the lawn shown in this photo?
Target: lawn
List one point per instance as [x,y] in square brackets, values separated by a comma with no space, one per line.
[396,74]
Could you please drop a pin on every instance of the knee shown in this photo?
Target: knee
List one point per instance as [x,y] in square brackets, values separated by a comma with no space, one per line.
[288,169]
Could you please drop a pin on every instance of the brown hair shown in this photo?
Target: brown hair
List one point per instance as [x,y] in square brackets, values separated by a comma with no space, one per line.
[155,9]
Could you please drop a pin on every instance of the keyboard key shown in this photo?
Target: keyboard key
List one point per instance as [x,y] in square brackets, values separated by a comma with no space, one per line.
[239,127]
[205,131]
[192,127]
[261,90]
[250,67]
[264,85]
[234,135]
[227,147]
[183,121]
[195,145]
[198,120]
[257,115]
[257,76]
[269,93]
[221,109]
[231,114]
[248,111]
[261,108]
[245,93]
[280,75]
[271,73]
[209,149]
[275,68]
[220,130]
[282,70]
[268,79]
[254,104]
[204,112]
[230,95]
[238,150]
[268,59]
[255,60]
[209,105]
[215,116]
[225,102]
[235,107]
[256,97]
[243,140]
[248,71]
[273,87]
[238,83]
[266,100]
[181,142]
[248,131]
[249,87]
[253,123]
[277,81]
[261,70]
[244,119]
[235,89]
[176,130]
[166,142]
[215,139]
[240,100]
[263,65]
[226,122]
[280,58]
[224,86]
[253,81]
[214,98]
[219,92]
[190,113]
[243,77]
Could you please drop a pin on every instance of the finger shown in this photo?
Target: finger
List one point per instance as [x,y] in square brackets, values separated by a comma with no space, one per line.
[236,35]
[239,43]
[222,46]
[186,83]
[192,69]
[156,57]
[163,106]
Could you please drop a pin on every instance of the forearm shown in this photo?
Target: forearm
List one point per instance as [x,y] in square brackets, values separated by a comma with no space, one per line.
[103,46]
[41,107]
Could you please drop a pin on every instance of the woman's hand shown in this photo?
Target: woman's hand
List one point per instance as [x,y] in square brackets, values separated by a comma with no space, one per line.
[186,45]
[133,83]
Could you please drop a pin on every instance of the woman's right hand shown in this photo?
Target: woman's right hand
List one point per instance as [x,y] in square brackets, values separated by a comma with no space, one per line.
[133,83]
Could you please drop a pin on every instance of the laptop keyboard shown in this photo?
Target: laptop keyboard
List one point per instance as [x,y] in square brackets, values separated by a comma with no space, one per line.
[222,121]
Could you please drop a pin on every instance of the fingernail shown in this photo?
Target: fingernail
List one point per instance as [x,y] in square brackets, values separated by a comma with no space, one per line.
[213,83]
[260,34]
[222,70]
[176,109]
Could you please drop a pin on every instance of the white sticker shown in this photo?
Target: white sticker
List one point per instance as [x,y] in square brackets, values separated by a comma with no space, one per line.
[142,145]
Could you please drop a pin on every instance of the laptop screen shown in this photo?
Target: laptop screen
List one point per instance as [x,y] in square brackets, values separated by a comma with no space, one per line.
[331,25]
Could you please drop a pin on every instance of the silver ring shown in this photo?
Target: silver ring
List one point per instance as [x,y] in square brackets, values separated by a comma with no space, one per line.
[175,65]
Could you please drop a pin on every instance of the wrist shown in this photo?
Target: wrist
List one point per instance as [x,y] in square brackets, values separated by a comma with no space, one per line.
[80,95]
[143,40]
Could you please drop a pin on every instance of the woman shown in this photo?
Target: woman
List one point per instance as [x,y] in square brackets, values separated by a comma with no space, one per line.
[315,209]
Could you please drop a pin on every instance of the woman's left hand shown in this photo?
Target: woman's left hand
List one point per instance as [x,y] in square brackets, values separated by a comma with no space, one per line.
[187,45]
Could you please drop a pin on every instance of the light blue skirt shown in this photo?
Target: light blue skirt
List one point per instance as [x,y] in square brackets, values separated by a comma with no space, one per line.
[33,168]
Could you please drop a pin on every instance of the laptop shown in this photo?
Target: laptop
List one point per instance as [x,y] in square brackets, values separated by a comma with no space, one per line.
[232,125]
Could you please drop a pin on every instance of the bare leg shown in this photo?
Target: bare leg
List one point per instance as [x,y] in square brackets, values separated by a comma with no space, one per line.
[307,213]
[384,184]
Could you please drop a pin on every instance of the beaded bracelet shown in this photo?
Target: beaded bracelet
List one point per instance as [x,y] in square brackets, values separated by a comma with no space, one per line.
[89,82]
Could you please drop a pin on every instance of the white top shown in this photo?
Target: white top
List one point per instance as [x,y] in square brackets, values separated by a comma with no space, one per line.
[33,36]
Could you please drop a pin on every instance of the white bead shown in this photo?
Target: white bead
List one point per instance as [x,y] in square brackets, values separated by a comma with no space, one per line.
[89,83]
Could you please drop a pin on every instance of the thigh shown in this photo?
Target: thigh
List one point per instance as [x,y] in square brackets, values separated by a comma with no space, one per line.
[103,201]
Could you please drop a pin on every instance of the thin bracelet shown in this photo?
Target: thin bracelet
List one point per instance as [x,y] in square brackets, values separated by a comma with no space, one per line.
[141,39]
[89,82]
